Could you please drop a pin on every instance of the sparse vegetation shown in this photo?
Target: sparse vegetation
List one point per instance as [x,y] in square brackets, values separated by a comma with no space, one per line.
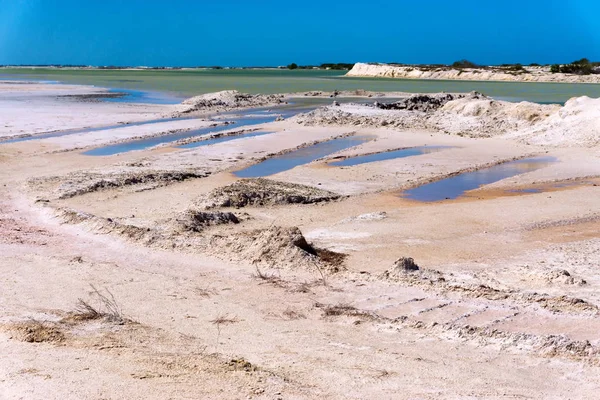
[108,309]
[578,67]
[224,320]
[464,64]
[270,278]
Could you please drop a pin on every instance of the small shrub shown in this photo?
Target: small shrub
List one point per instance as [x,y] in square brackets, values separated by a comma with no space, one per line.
[464,64]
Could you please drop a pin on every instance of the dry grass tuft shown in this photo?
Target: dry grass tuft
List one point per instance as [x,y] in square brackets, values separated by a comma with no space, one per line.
[108,309]
[271,279]
[224,320]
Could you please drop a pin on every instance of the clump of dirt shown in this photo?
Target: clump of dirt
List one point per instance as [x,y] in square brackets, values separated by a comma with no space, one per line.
[37,332]
[227,100]
[332,258]
[197,221]
[405,269]
[564,277]
[80,183]
[276,247]
[264,192]
[347,310]
[240,364]
[427,102]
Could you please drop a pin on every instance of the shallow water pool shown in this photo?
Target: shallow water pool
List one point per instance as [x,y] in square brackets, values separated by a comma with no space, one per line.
[387,155]
[301,156]
[456,186]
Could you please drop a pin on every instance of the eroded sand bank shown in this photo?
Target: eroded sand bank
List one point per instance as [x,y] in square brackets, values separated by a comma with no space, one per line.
[300,286]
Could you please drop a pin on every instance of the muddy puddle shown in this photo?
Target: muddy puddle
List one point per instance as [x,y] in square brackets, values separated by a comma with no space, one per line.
[457,186]
[387,155]
[301,156]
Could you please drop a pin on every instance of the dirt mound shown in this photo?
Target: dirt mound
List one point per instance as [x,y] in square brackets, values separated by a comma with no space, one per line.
[406,270]
[276,247]
[472,115]
[227,100]
[575,124]
[197,221]
[109,226]
[361,115]
[563,277]
[486,117]
[80,183]
[427,102]
[263,192]
[37,332]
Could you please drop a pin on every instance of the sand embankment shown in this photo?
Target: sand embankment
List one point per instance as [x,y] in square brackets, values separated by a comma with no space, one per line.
[529,74]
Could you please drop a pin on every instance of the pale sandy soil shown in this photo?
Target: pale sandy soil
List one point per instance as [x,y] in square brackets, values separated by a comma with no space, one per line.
[493,312]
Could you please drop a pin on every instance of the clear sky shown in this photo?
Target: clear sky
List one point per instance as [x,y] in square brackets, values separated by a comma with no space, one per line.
[279,32]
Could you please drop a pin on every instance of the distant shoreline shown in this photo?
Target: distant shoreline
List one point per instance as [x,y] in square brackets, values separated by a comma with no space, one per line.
[539,74]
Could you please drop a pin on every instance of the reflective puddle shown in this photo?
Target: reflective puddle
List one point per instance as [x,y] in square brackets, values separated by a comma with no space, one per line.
[387,155]
[301,156]
[240,120]
[141,144]
[456,186]
[222,139]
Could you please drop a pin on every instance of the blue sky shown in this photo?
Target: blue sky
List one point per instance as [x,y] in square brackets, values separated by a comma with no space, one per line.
[268,32]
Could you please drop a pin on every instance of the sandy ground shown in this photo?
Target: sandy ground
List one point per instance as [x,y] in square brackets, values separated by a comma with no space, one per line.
[504,303]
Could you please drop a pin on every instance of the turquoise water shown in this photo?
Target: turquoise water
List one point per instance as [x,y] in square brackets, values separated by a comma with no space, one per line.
[183,84]
[456,186]
[387,155]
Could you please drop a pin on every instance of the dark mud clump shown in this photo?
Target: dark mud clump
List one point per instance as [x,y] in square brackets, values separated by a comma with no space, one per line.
[264,192]
[426,102]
